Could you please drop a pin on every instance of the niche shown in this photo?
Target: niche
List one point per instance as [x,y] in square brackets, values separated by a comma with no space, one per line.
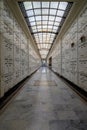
[83,38]
[72,45]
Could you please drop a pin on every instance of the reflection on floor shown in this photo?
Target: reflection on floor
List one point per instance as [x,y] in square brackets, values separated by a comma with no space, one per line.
[45,103]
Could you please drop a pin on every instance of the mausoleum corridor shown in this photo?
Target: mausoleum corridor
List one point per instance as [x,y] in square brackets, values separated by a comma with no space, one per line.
[43,65]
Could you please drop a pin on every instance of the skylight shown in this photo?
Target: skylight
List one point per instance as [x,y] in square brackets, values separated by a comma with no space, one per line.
[44,20]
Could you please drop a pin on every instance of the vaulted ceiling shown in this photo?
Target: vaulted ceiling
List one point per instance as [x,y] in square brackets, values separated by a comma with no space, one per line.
[45,21]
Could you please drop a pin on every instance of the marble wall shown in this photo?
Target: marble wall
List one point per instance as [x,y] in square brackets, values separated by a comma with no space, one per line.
[34,61]
[73,52]
[17,59]
[56,58]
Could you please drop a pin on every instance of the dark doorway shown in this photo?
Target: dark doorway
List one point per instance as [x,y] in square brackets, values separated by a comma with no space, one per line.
[50,62]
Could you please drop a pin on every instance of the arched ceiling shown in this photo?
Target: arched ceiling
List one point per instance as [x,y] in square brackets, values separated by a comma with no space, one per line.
[28,26]
[44,20]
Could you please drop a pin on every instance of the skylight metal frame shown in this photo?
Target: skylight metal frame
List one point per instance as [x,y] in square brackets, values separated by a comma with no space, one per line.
[44,33]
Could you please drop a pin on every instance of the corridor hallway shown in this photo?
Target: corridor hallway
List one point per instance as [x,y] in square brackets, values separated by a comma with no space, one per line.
[45,103]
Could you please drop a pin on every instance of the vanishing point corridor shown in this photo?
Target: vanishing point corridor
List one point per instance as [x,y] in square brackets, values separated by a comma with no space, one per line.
[45,103]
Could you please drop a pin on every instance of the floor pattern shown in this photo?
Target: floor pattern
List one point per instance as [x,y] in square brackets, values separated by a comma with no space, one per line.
[45,103]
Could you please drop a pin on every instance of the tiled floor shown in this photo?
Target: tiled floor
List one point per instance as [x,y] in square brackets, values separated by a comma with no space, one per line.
[45,103]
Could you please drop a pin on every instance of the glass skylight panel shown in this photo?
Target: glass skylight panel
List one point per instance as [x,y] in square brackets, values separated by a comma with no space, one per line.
[31,19]
[50,27]
[43,51]
[51,38]
[40,46]
[47,46]
[34,27]
[44,41]
[40,34]
[40,41]
[34,31]
[40,29]
[44,34]
[54,4]
[55,27]
[36,35]
[63,5]
[38,23]
[56,23]
[48,37]
[50,22]
[44,29]
[54,30]
[60,13]
[37,11]
[45,11]
[40,38]
[51,18]
[44,38]
[53,35]
[49,30]
[58,19]
[32,23]
[45,4]
[27,5]
[36,5]
[44,22]
[53,11]
[43,46]
[30,13]
[48,41]
[44,17]
[48,34]
[44,26]
[38,18]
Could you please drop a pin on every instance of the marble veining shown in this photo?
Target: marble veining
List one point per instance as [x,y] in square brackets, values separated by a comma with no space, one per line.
[45,106]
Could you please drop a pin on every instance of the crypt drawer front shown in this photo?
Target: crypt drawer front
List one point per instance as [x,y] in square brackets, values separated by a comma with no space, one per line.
[82,50]
[82,66]
[83,81]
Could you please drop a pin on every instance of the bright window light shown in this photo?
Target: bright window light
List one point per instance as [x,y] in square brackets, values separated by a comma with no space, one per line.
[44,20]
[28,5]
